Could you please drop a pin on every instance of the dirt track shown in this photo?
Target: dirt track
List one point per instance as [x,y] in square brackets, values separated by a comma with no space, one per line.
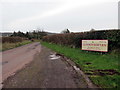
[44,72]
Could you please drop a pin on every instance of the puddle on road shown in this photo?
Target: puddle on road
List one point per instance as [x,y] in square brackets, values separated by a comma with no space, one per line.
[2,63]
[53,57]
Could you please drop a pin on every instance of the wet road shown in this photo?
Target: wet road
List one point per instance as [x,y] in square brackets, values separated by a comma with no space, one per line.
[15,59]
[45,71]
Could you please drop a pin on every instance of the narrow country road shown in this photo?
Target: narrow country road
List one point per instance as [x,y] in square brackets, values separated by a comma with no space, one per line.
[44,71]
[15,59]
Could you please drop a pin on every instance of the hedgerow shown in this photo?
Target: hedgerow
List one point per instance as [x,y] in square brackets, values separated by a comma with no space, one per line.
[11,39]
[74,39]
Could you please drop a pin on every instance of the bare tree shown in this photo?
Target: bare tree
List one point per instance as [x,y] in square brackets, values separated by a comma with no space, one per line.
[66,31]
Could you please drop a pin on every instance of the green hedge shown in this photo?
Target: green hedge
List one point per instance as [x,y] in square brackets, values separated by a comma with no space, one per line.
[74,39]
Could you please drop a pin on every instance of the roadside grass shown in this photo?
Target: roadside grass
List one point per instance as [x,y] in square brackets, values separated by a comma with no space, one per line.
[93,64]
[7,46]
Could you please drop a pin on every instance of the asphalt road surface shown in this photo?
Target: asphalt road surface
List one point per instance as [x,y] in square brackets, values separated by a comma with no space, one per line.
[15,59]
[45,70]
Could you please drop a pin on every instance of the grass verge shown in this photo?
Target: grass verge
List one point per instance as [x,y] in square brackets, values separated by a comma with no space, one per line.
[102,69]
[7,46]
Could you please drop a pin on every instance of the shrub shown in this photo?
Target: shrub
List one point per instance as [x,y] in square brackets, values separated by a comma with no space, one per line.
[74,39]
[11,39]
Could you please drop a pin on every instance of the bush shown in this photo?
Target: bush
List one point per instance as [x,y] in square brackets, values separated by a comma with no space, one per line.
[74,39]
[11,39]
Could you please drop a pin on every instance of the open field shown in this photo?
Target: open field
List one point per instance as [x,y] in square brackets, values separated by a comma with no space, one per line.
[102,69]
[6,46]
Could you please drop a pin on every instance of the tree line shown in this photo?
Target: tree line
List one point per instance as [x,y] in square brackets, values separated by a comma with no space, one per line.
[36,34]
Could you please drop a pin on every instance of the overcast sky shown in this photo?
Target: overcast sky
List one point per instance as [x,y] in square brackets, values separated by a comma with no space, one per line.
[57,15]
